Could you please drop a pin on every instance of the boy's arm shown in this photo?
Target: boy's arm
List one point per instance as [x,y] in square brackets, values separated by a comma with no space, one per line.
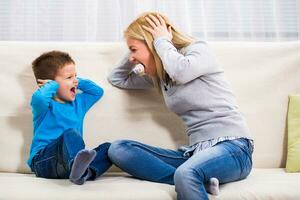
[91,92]
[41,98]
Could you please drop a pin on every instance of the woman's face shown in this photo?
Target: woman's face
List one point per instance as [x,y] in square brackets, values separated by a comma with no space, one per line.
[140,54]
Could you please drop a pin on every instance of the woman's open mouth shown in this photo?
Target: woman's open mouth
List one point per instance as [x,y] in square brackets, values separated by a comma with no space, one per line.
[139,69]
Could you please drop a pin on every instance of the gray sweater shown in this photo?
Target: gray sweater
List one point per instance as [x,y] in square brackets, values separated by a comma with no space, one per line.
[199,94]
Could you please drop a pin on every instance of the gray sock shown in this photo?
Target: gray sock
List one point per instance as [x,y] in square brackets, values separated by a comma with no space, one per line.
[80,164]
[84,178]
[212,186]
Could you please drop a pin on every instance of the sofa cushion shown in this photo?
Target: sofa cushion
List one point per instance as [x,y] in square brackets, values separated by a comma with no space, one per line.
[293,156]
[137,115]
[109,187]
[271,184]
[262,75]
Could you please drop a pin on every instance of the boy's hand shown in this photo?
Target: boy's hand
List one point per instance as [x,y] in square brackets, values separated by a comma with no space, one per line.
[42,82]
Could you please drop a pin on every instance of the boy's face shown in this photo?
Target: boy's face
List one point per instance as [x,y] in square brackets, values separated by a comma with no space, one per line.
[66,78]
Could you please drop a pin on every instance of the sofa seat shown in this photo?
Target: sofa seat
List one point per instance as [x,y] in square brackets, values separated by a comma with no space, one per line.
[111,186]
[262,75]
[263,183]
[273,183]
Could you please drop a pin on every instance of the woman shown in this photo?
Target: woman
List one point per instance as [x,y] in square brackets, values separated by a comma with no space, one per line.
[193,87]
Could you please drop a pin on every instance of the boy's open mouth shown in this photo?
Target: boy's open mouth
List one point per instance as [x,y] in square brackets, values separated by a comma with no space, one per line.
[73,90]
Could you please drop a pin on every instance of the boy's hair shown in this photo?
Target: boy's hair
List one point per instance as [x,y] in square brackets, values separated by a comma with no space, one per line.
[46,65]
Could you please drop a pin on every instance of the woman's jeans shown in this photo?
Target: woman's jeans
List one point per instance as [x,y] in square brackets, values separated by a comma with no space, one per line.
[55,160]
[227,161]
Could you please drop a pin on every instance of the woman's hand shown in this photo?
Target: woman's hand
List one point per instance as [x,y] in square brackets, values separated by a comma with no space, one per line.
[42,82]
[159,27]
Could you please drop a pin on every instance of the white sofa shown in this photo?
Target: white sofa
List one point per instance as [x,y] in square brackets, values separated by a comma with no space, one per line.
[262,76]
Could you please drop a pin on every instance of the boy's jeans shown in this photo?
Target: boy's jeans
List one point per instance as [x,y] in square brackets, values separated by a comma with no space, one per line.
[227,161]
[55,160]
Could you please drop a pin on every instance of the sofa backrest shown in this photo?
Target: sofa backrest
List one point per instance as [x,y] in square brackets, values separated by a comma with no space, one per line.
[262,76]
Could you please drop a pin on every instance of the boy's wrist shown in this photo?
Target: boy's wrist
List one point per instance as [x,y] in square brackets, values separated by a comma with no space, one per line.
[80,79]
[80,82]
[49,84]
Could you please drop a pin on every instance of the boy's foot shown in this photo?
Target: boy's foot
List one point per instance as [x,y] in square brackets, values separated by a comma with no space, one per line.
[84,177]
[213,186]
[80,165]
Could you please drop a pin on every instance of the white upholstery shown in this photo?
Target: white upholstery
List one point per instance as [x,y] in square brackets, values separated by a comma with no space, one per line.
[268,184]
[262,76]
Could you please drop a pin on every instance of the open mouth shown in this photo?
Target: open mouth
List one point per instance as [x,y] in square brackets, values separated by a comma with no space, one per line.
[139,69]
[73,90]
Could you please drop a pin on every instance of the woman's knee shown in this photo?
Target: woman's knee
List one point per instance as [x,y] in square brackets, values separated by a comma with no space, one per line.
[117,149]
[189,183]
[186,175]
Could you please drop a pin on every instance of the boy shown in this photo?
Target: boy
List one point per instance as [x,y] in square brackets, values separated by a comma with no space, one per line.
[57,149]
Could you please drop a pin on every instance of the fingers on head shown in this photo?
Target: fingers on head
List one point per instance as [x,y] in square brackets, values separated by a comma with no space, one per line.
[161,20]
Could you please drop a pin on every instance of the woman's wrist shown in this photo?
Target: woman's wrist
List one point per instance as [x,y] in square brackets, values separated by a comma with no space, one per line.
[159,39]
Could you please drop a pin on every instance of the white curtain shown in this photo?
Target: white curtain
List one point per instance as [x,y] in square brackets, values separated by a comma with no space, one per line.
[105,20]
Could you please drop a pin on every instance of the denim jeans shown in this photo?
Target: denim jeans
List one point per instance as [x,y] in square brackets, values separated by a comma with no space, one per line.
[227,161]
[55,160]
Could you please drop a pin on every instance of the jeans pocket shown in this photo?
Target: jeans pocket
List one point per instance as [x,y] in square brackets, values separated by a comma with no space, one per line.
[244,144]
[246,163]
[247,168]
[243,155]
[46,168]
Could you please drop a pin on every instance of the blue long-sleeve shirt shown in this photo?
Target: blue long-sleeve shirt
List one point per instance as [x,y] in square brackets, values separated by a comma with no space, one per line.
[52,118]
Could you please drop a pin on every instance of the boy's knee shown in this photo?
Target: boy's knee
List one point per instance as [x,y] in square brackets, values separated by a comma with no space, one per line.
[72,139]
[71,133]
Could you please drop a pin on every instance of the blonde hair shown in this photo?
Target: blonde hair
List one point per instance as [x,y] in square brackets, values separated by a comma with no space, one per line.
[136,31]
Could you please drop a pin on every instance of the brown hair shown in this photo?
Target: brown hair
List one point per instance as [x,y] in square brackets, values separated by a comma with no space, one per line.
[46,65]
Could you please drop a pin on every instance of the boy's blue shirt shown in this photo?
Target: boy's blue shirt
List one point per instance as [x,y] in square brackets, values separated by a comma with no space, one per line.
[52,118]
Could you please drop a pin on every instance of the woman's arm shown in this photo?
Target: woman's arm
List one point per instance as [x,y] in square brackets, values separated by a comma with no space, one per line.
[195,60]
[123,77]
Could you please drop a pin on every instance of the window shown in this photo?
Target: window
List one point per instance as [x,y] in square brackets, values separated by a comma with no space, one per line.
[105,20]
